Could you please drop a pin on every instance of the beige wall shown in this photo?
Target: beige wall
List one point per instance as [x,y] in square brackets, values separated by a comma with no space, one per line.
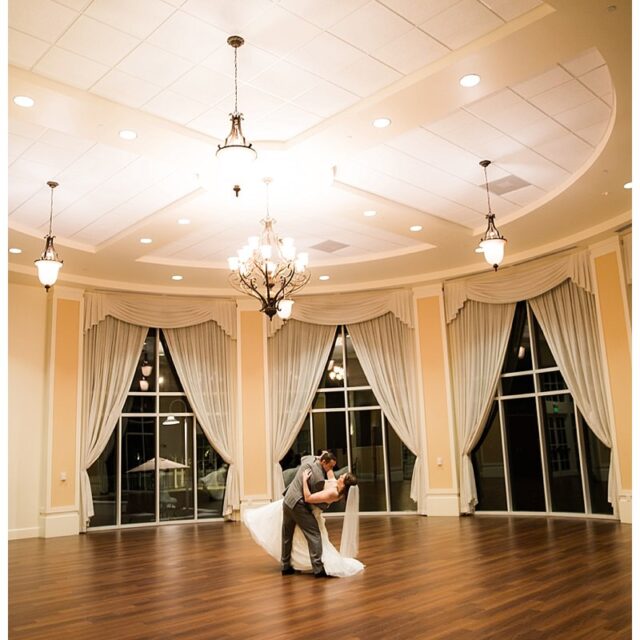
[27,394]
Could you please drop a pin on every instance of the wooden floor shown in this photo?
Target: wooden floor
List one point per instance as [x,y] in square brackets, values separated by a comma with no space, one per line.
[438,578]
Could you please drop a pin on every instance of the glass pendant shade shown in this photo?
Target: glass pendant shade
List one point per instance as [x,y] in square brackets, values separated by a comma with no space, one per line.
[285,308]
[49,265]
[492,244]
[146,369]
[144,385]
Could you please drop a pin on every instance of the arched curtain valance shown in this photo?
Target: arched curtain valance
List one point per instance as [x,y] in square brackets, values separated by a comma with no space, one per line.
[165,312]
[520,282]
[348,308]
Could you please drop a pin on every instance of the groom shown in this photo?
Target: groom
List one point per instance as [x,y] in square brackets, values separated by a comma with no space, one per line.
[295,511]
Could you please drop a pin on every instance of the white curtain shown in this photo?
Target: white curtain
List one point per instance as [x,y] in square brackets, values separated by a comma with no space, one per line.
[296,355]
[111,352]
[386,351]
[520,282]
[627,256]
[567,315]
[478,340]
[205,360]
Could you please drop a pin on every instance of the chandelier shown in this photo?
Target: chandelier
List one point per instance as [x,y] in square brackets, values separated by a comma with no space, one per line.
[49,264]
[235,150]
[492,243]
[268,269]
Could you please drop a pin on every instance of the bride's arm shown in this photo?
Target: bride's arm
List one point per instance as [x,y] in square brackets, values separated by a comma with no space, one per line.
[327,495]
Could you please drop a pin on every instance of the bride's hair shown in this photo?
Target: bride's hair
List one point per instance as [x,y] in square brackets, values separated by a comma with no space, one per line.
[350,480]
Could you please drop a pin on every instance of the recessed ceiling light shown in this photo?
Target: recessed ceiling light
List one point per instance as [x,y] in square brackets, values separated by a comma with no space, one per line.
[15,250]
[470,80]
[369,213]
[127,134]
[23,101]
[415,227]
[176,277]
[323,278]
[628,185]
[184,221]
[146,240]
[381,123]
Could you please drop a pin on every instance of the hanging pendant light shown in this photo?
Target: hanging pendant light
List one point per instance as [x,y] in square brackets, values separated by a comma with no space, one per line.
[492,244]
[49,264]
[236,153]
[268,269]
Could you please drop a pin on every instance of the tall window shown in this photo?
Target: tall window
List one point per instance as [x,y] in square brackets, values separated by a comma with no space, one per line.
[537,452]
[347,419]
[158,465]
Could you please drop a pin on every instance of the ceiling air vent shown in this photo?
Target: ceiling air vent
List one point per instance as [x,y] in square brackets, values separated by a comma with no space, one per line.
[329,246]
[507,184]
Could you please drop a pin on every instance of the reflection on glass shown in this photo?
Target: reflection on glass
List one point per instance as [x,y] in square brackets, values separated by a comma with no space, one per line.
[102,476]
[355,374]
[140,404]
[333,377]
[551,381]
[167,376]
[488,466]
[138,477]
[173,405]
[301,447]
[400,463]
[518,356]
[362,398]
[523,447]
[563,456]
[211,477]
[329,400]
[144,377]
[543,353]
[598,460]
[329,433]
[176,476]
[516,385]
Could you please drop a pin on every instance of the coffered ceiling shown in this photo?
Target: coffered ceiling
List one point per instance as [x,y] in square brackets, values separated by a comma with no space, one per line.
[552,112]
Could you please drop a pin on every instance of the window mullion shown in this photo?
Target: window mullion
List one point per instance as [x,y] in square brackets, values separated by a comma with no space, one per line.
[505,456]
[385,464]
[119,472]
[544,456]
[582,460]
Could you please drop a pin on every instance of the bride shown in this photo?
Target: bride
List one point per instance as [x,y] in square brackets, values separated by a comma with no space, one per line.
[265,526]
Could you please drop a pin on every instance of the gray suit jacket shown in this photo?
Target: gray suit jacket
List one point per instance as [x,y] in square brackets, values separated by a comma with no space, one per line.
[294,491]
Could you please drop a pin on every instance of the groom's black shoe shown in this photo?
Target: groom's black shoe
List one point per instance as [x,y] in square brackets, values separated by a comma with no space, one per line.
[289,571]
[321,574]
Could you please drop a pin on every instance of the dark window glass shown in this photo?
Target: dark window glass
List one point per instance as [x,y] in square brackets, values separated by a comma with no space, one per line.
[355,374]
[211,478]
[138,477]
[518,356]
[329,433]
[140,404]
[176,475]
[174,404]
[167,376]
[563,455]
[333,375]
[517,385]
[301,447]
[551,381]
[400,463]
[102,476]
[488,466]
[362,398]
[598,460]
[523,446]
[144,378]
[329,400]
[543,353]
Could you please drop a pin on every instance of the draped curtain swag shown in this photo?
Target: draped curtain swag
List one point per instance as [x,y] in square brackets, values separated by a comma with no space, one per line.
[111,352]
[205,360]
[567,315]
[477,344]
[520,282]
[296,355]
[347,308]
[167,312]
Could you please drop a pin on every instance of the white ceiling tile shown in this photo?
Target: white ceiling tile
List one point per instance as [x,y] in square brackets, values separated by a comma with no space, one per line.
[231,17]
[539,132]
[524,196]
[285,80]
[19,191]
[568,151]
[204,85]
[510,9]
[97,41]
[251,61]
[371,27]
[461,23]
[77,5]
[456,120]
[325,55]
[284,123]
[187,37]
[563,97]
[323,14]
[585,115]
[584,62]
[279,31]
[33,171]
[139,18]
[608,98]
[70,68]
[543,82]
[253,104]
[154,65]
[175,3]
[411,51]
[593,134]
[326,99]
[418,11]
[42,19]
[25,129]
[366,76]
[17,144]
[64,141]
[535,169]
[214,122]
[121,87]
[598,80]
[101,162]
[54,157]
[509,119]
[175,107]
[24,50]
[498,101]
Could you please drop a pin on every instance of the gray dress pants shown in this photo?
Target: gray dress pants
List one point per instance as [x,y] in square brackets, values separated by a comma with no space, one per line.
[302,516]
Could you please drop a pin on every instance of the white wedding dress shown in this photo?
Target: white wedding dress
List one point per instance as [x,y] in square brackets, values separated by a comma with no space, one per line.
[265,525]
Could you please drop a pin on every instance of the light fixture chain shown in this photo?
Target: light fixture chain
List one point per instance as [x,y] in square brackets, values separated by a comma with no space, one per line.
[51,211]
[486,184]
[235,65]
